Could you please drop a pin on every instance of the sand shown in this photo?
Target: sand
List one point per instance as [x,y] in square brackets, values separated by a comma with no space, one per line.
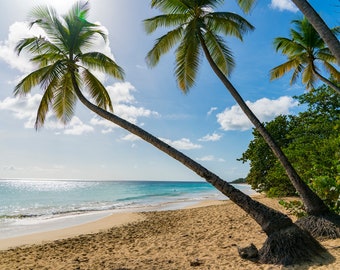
[201,237]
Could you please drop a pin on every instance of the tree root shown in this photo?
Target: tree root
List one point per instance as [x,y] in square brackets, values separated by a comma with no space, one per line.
[321,227]
[291,246]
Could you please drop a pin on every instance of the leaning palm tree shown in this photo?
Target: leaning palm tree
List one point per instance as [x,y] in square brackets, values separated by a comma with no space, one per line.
[64,73]
[320,26]
[196,27]
[305,49]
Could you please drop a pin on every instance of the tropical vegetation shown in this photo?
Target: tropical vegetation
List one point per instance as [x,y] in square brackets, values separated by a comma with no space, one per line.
[320,26]
[197,28]
[311,141]
[307,56]
[64,72]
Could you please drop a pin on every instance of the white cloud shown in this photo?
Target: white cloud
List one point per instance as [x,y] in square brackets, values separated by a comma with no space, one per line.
[211,110]
[211,137]
[210,158]
[16,32]
[25,108]
[283,5]
[131,137]
[77,127]
[265,109]
[124,106]
[182,144]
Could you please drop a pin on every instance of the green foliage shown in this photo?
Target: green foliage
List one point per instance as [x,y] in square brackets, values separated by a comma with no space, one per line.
[310,140]
[62,64]
[295,208]
[193,25]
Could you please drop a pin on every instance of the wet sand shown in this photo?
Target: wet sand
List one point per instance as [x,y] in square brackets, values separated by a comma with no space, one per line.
[203,237]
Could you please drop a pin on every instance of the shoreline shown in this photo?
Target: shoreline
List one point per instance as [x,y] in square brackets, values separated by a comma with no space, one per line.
[92,223]
[204,236]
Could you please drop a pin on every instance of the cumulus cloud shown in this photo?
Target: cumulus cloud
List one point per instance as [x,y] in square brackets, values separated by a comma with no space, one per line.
[124,106]
[25,108]
[182,144]
[265,109]
[131,137]
[283,5]
[211,137]
[212,109]
[210,158]
[16,32]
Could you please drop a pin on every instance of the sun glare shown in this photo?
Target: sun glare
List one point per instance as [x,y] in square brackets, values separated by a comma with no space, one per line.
[61,6]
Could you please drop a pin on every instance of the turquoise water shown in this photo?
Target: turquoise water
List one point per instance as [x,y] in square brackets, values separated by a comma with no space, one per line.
[27,202]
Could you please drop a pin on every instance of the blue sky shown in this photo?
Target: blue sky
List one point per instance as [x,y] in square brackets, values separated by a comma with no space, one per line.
[205,124]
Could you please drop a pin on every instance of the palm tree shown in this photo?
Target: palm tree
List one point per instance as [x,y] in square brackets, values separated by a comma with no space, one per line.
[64,73]
[196,29]
[320,26]
[305,49]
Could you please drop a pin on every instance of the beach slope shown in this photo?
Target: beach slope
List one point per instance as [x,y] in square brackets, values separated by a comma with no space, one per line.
[205,237]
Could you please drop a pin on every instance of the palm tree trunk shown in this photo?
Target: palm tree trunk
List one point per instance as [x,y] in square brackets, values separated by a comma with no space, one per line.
[328,82]
[286,243]
[269,219]
[320,26]
[313,204]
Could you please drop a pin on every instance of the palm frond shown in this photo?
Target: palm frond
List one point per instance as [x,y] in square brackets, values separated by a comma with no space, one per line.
[308,77]
[97,90]
[30,81]
[246,5]
[332,70]
[325,55]
[188,58]
[45,104]
[64,99]
[168,20]
[163,45]
[228,23]
[219,52]
[287,46]
[170,6]
[284,68]
[101,62]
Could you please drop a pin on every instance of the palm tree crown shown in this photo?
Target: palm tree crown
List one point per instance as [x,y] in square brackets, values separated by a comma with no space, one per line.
[193,22]
[62,55]
[305,50]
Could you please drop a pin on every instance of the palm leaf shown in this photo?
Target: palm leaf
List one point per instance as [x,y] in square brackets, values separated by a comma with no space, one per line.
[31,80]
[168,20]
[282,69]
[45,103]
[163,45]
[332,70]
[170,6]
[246,5]
[219,52]
[97,90]
[187,59]
[228,23]
[64,99]
[101,62]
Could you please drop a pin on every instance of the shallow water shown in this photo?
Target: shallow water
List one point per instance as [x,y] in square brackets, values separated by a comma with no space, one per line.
[28,206]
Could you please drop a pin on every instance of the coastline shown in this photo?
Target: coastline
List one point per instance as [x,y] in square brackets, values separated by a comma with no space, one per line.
[205,235]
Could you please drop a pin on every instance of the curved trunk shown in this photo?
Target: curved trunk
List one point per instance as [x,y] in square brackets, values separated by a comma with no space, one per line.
[328,82]
[314,205]
[320,26]
[269,219]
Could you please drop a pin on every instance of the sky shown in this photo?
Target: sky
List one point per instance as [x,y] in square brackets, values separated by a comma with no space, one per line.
[206,124]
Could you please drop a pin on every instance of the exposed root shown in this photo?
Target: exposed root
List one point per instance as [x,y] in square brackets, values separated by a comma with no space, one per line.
[321,227]
[291,246]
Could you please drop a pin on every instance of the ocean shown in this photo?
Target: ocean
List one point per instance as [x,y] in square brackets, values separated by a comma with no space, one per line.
[28,206]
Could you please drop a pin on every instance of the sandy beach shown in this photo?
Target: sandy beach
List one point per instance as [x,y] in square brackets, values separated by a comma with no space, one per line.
[202,237]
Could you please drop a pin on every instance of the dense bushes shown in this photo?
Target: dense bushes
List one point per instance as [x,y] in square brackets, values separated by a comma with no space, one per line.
[311,141]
